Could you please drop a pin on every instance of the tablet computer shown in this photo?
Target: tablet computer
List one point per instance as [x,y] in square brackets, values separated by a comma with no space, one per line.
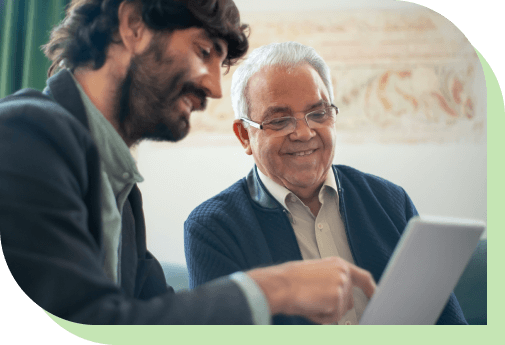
[423,270]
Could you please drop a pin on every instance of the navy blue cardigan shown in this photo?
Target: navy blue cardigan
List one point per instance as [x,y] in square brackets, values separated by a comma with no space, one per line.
[244,227]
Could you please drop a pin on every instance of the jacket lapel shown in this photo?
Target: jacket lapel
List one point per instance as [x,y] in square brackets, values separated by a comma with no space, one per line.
[274,223]
[62,89]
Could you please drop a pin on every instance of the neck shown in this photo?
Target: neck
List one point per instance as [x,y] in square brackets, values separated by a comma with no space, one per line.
[311,201]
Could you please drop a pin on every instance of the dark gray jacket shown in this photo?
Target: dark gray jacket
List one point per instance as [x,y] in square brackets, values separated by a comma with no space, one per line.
[51,228]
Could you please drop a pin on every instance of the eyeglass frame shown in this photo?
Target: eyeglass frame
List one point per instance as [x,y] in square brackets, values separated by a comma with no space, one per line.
[260,125]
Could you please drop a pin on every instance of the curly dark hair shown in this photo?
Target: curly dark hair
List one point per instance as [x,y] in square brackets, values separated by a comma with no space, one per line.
[89,27]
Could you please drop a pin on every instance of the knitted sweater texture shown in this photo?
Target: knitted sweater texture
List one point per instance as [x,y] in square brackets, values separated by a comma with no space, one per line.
[244,227]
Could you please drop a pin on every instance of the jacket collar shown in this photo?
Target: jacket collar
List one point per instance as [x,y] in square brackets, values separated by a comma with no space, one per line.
[262,197]
[258,192]
[61,87]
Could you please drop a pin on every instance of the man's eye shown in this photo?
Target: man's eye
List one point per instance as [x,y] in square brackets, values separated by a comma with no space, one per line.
[278,123]
[205,52]
[318,114]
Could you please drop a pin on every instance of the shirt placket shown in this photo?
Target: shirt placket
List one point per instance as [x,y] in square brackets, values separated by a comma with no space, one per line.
[328,247]
[322,230]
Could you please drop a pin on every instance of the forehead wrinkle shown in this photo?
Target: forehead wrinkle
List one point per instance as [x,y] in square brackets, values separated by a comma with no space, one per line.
[277,109]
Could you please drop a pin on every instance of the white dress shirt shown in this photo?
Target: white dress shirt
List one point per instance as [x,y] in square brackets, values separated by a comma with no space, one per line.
[319,236]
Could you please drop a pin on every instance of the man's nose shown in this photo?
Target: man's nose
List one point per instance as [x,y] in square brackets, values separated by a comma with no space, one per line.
[211,79]
[302,130]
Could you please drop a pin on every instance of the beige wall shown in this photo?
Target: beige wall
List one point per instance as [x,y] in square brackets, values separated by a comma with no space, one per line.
[404,75]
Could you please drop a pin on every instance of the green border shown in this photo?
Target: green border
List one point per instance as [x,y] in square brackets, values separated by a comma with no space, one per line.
[310,334]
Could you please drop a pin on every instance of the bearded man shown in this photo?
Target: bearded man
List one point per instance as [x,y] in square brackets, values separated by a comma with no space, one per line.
[71,218]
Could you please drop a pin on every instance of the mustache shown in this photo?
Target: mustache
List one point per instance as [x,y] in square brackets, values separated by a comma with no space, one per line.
[191,88]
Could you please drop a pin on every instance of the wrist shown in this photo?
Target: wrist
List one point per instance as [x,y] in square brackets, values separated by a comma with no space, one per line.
[275,285]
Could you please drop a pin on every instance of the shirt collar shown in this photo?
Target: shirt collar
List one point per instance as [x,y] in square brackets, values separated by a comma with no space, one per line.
[329,184]
[115,155]
[281,193]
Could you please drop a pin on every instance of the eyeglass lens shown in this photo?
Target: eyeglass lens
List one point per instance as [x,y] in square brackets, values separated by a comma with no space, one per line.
[287,125]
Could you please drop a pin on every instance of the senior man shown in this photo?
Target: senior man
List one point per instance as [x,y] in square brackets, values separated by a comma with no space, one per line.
[294,204]
[71,219]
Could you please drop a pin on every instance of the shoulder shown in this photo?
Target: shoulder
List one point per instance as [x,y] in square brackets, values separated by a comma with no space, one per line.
[352,177]
[364,186]
[28,101]
[41,138]
[33,106]
[33,113]
[230,203]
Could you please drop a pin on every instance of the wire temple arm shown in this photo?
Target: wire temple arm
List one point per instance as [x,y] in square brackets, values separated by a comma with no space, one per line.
[252,123]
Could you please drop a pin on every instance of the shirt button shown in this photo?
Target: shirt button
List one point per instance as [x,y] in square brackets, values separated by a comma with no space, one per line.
[293,198]
[320,226]
[126,175]
[348,323]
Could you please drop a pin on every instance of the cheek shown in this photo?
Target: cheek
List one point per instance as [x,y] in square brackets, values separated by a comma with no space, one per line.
[329,139]
[193,67]
[267,151]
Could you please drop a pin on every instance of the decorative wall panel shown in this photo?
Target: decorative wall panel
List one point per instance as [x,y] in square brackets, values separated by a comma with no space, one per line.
[400,76]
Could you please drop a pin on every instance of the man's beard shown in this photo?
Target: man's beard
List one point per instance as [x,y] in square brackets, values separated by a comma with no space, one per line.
[149,95]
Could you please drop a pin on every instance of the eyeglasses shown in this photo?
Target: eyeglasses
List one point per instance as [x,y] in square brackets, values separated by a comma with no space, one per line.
[285,125]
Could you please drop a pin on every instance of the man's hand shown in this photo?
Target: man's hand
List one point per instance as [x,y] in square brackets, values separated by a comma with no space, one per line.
[320,290]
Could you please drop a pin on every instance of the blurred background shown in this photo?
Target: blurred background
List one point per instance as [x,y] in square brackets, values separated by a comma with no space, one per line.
[409,86]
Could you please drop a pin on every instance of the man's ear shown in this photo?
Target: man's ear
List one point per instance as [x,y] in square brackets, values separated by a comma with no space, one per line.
[134,33]
[242,135]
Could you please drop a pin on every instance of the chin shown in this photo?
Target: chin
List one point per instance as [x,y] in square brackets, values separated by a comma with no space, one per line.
[183,129]
[304,180]
[172,132]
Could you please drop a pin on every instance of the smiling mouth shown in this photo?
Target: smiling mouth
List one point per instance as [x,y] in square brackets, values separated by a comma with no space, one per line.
[194,101]
[188,104]
[302,153]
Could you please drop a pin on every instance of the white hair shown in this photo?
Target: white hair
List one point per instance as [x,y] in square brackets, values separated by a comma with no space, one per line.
[286,54]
